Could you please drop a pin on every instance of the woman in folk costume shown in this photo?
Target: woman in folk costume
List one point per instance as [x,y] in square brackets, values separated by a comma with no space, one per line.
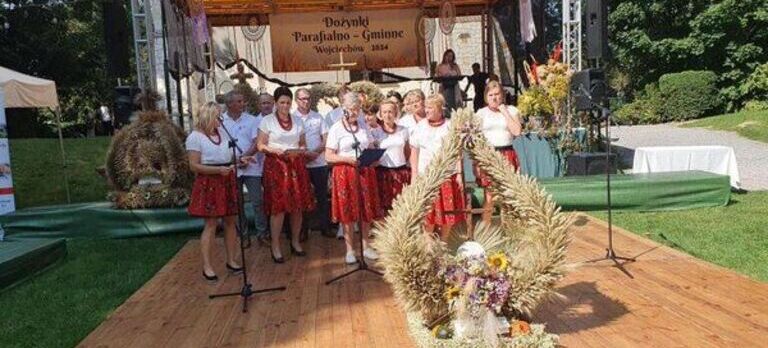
[353,188]
[393,171]
[426,141]
[287,189]
[214,194]
[500,124]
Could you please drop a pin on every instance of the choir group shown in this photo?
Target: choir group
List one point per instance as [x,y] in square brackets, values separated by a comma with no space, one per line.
[292,162]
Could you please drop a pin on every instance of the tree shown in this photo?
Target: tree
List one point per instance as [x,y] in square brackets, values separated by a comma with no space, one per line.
[652,38]
[63,42]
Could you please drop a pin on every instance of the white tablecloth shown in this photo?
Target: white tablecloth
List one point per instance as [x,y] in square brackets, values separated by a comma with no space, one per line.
[713,159]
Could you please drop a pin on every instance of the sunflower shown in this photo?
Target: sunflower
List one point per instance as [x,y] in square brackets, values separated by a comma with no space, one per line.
[452,293]
[498,262]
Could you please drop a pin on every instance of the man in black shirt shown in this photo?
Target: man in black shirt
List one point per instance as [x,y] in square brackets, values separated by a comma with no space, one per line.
[478,80]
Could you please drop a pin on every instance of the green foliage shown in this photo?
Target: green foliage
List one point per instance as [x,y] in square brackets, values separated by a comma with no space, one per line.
[63,42]
[653,38]
[732,236]
[755,105]
[61,306]
[646,109]
[751,124]
[688,95]
[755,87]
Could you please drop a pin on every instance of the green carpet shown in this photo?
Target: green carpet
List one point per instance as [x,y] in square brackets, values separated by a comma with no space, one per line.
[20,258]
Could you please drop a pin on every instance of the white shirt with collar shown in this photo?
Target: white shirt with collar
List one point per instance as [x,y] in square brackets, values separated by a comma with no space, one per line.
[315,128]
[245,130]
[428,140]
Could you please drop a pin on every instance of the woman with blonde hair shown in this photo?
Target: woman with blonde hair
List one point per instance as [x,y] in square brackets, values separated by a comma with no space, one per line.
[414,110]
[214,194]
[426,141]
[287,188]
[393,171]
[500,124]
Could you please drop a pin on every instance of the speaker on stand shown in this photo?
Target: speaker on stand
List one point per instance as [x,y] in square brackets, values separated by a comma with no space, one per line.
[596,28]
[124,107]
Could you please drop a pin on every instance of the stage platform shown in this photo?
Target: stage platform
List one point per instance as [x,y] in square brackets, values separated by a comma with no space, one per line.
[673,300]
[636,192]
[21,258]
[643,192]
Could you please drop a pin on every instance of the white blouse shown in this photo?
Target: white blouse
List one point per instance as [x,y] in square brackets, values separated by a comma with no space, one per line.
[428,140]
[280,138]
[343,141]
[394,144]
[495,126]
[408,121]
[210,152]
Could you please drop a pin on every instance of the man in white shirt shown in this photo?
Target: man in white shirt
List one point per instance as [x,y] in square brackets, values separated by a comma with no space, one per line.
[315,129]
[266,104]
[244,128]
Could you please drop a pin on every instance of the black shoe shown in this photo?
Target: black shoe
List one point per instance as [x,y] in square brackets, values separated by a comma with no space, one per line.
[296,252]
[278,259]
[233,269]
[212,278]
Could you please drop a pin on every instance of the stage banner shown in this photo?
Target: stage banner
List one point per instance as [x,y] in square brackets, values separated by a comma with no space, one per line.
[371,39]
[6,182]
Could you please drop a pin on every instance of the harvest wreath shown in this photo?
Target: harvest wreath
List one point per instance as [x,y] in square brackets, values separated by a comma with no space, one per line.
[472,290]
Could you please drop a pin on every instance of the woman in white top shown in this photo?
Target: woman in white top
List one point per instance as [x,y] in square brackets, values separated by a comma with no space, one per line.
[393,173]
[214,194]
[426,140]
[287,189]
[414,110]
[352,188]
[500,124]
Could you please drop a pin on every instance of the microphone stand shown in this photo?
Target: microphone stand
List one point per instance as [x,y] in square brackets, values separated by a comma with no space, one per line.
[362,265]
[610,254]
[246,291]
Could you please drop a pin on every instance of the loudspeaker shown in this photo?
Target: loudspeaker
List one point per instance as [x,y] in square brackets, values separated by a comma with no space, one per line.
[588,88]
[123,105]
[597,29]
[589,163]
[116,38]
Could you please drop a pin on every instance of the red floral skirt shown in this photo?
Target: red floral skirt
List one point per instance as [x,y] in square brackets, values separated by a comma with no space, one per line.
[213,195]
[287,188]
[482,179]
[346,195]
[391,183]
[445,208]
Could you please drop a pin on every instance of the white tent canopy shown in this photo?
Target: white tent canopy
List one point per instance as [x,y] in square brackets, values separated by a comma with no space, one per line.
[24,91]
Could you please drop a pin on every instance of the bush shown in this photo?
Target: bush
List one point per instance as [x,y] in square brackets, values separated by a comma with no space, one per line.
[755,105]
[646,109]
[756,85]
[688,95]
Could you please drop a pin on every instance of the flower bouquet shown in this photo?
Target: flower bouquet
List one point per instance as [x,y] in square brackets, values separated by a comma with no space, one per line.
[478,290]
[543,103]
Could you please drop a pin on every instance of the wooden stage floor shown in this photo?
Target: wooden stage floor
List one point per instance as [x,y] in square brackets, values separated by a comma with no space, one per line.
[674,300]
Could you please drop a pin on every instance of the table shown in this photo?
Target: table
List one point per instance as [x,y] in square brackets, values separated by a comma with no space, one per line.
[713,159]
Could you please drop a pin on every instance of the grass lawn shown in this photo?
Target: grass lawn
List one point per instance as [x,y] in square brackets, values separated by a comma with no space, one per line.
[752,125]
[61,306]
[37,173]
[734,236]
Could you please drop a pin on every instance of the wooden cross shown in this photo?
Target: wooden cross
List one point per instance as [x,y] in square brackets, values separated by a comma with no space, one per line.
[241,76]
[341,65]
